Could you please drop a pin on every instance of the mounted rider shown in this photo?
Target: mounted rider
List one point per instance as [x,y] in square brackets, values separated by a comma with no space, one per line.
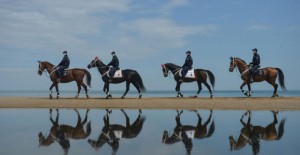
[115,65]
[255,64]
[64,64]
[187,64]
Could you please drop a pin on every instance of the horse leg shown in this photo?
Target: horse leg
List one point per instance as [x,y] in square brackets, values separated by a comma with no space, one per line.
[136,85]
[208,87]
[57,90]
[275,94]
[127,89]
[242,86]
[79,89]
[127,118]
[249,89]
[85,89]
[50,89]
[86,116]
[106,90]
[199,89]
[78,117]
[209,119]
[178,89]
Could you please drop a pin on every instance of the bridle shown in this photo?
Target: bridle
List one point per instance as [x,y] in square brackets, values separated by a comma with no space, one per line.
[41,69]
[233,64]
[166,71]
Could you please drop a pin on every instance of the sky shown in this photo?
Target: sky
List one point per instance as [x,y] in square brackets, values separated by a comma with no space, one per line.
[146,34]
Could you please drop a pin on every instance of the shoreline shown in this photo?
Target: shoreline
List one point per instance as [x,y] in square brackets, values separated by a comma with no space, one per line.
[156,103]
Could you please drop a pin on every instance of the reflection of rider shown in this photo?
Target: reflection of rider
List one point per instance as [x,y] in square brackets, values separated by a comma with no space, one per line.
[115,65]
[255,63]
[187,64]
[64,64]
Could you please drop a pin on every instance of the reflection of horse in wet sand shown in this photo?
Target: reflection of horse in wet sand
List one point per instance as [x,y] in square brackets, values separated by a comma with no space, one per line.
[62,133]
[186,133]
[112,133]
[252,134]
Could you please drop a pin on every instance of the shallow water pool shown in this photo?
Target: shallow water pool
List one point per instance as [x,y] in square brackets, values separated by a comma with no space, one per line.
[147,132]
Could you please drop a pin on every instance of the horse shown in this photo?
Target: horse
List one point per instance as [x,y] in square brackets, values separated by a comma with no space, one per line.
[270,75]
[75,74]
[253,134]
[62,133]
[200,76]
[128,75]
[186,133]
[112,133]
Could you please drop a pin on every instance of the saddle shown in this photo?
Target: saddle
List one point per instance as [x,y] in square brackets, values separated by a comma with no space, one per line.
[259,72]
[189,74]
[118,73]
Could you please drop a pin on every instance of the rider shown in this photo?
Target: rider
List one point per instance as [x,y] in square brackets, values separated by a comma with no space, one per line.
[187,64]
[115,65]
[64,64]
[255,63]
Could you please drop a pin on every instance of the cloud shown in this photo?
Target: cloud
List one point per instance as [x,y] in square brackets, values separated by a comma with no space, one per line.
[55,24]
[258,27]
[155,35]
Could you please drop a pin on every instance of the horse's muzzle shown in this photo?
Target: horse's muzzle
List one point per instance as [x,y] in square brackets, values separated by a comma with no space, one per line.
[230,69]
[40,73]
[89,67]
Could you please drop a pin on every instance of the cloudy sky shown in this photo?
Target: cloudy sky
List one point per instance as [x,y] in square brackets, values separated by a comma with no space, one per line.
[146,34]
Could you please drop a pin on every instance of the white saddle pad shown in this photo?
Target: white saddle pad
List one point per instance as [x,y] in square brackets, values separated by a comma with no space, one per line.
[118,134]
[189,74]
[118,74]
[190,134]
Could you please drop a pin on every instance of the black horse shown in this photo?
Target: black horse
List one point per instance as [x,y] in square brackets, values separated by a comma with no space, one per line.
[200,77]
[128,75]
[186,133]
[111,134]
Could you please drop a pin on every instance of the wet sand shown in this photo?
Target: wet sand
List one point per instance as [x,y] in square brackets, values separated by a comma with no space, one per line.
[218,103]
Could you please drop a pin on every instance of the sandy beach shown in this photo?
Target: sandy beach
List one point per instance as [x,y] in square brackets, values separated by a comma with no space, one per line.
[287,104]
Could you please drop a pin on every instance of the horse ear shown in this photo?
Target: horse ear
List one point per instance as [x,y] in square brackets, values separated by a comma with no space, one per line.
[96,58]
[231,58]
[162,65]
[39,61]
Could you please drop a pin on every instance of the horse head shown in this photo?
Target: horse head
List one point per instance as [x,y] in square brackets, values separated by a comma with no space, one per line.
[165,136]
[165,70]
[41,68]
[96,63]
[232,64]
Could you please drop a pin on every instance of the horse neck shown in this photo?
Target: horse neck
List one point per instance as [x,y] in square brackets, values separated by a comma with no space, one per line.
[49,67]
[172,67]
[101,67]
[241,66]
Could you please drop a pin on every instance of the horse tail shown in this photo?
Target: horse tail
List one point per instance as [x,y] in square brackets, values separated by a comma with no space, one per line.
[211,78]
[211,129]
[280,129]
[281,79]
[88,130]
[140,82]
[88,78]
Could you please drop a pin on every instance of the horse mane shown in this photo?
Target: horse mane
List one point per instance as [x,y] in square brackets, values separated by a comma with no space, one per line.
[47,62]
[240,59]
[172,65]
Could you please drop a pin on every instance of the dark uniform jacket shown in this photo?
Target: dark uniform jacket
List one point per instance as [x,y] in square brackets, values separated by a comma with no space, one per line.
[188,62]
[114,62]
[255,60]
[65,62]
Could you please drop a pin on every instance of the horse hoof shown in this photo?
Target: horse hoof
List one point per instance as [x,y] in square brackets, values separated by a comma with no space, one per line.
[76,96]
[181,95]
[87,96]
[50,97]
[108,96]
[195,96]
[122,97]
[140,96]
[211,96]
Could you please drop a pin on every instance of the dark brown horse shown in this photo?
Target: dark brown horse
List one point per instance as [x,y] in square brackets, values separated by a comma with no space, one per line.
[75,74]
[62,133]
[253,134]
[201,76]
[269,74]
[186,133]
[112,133]
[130,76]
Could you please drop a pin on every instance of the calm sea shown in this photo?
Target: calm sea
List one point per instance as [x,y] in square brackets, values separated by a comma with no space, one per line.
[148,93]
